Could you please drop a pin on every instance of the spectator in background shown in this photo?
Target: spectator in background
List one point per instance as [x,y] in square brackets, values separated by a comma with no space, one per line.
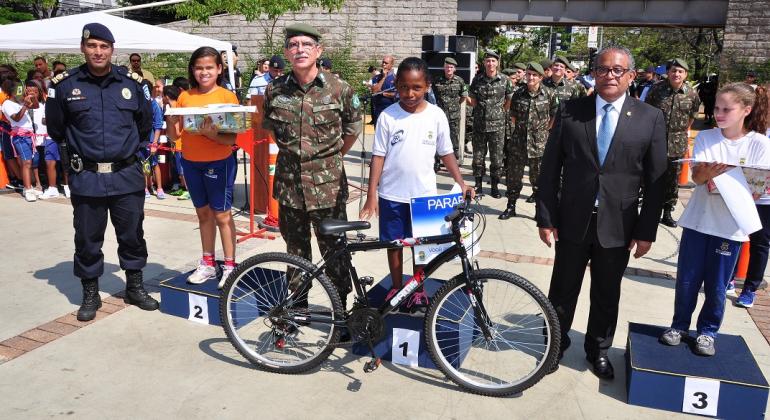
[150,153]
[326,64]
[34,74]
[35,88]
[157,91]
[9,155]
[258,84]
[643,88]
[226,72]
[182,83]
[48,149]
[16,112]
[751,79]
[136,66]
[42,66]
[58,67]
[263,66]
[170,96]
[707,92]
[383,88]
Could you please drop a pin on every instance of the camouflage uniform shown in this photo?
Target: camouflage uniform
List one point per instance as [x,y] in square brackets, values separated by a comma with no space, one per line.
[309,123]
[448,93]
[489,118]
[566,89]
[533,113]
[679,107]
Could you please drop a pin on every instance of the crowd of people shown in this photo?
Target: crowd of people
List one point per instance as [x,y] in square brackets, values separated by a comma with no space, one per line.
[603,151]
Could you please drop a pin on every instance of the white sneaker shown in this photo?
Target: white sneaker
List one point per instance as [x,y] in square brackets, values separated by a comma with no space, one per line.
[50,192]
[226,271]
[38,192]
[30,195]
[202,273]
[66,190]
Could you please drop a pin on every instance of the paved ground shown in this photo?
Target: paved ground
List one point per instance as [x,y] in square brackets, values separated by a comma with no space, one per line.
[134,364]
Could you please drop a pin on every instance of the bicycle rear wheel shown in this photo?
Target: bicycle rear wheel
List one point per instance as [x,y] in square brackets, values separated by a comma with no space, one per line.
[256,313]
[524,334]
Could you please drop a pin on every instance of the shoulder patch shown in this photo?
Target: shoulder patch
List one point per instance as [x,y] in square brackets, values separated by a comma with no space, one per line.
[134,76]
[59,77]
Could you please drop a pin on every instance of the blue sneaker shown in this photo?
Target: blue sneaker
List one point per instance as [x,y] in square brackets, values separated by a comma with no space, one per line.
[746,299]
[730,290]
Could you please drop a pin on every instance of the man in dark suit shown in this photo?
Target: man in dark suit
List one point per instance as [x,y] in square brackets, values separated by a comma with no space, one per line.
[601,150]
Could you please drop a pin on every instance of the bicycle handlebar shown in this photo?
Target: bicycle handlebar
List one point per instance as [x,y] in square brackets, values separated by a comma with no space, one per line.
[460,209]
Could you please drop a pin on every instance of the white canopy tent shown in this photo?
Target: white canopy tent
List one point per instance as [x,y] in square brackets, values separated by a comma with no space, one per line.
[62,35]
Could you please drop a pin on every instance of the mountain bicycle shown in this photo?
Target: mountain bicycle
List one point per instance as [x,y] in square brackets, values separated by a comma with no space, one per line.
[490,331]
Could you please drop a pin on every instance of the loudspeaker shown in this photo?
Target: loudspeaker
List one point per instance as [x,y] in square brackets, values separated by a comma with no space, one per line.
[433,42]
[436,59]
[462,43]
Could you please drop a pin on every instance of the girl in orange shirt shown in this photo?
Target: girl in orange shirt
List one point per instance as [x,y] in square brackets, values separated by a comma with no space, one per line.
[208,163]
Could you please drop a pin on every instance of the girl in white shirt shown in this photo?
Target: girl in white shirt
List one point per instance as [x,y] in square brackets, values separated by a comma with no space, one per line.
[711,239]
[16,110]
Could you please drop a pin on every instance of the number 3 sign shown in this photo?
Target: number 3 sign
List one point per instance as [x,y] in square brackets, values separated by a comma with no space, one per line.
[701,396]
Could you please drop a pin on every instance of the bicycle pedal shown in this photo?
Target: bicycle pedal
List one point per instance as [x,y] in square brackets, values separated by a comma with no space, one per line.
[372,365]
[366,280]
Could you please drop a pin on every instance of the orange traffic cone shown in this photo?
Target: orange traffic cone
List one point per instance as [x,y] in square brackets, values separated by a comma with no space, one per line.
[270,222]
[684,175]
[743,262]
[3,173]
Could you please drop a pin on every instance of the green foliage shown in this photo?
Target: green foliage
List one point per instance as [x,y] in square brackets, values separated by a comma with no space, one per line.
[201,10]
[166,65]
[39,9]
[9,15]
[528,45]
[736,68]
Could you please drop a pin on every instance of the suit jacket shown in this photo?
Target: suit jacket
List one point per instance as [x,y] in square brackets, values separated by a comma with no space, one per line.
[636,157]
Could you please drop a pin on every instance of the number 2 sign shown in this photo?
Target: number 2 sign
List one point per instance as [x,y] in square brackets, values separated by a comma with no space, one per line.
[199,309]
[701,396]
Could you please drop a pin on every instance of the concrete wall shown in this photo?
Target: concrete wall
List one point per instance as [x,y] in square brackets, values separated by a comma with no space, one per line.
[746,33]
[375,27]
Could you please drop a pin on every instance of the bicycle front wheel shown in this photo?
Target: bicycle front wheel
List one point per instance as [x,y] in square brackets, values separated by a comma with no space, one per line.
[522,340]
[260,318]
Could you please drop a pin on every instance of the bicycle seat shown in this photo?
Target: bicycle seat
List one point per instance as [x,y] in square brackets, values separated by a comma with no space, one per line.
[334,226]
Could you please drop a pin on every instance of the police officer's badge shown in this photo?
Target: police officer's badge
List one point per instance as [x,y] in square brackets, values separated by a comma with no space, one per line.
[86,33]
[76,92]
[126,93]
[327,100]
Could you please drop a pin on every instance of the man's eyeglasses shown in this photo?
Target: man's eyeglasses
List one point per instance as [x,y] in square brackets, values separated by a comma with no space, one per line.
[305,45]
[386,63]
[616,71]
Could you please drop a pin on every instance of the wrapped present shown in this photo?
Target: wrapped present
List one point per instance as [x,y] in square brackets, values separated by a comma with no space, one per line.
[227,118]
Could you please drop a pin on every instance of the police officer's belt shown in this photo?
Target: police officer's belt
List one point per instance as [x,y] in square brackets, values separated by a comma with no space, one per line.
[107,167]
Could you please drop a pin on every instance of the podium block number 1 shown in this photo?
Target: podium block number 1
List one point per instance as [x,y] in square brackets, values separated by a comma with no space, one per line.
[405,346]
[701,396]
[199,308]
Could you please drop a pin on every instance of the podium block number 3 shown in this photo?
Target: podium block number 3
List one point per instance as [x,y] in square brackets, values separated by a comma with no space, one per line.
[405,346]
[199,309]
[701,396]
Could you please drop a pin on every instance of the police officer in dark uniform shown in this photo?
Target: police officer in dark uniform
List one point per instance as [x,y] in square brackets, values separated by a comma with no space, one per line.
[101,116]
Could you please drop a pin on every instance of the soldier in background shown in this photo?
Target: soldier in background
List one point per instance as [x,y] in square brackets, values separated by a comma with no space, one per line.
[310,183]
[450,91]
[532,114]
[565,88]
[546,65]
[680,105]
[490,94]
[521,71]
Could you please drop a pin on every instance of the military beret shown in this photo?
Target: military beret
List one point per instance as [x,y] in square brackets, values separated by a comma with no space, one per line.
[276,62]
[536,67]
[563,60]
[545,63]
[492,54]
[302,29]
[572,67]
[520,66]
[508,72]
[450,60]
[97,31]
[678,62]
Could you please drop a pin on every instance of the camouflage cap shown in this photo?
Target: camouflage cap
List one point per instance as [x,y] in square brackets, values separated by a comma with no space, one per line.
[450,60]
[491,54]
[520,66]
[536,67]
[302,29]
[678,62]
[546,63]
[563,60]
[508,72]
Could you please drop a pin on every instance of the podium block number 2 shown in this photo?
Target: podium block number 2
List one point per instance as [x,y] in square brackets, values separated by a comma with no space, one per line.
[405,346]
[701,396]
[199,309]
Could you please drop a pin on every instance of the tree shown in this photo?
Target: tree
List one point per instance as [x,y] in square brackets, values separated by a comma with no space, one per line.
[10,15]
[40,9]
[267,11]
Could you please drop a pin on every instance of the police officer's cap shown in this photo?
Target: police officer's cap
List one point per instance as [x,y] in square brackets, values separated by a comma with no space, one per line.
[302,29]
[450,60]
[536,67]
[678,62]
[492,54]
[563,60]
[276,62]
[545,63]
[520,66]
[97,31]
[509,72]
[326,63]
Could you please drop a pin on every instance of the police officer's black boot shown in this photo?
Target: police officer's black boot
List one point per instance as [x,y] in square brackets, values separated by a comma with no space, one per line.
[479,189]
[135,293]
[91,300]
[495,193]
[667,220]
[510,210]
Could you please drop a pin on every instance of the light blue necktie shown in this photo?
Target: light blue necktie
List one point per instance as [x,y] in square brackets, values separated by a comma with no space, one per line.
[606,131]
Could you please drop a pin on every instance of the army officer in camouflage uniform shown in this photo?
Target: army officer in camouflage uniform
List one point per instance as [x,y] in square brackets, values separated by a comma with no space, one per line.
[490,95]
[315,118]
[565,88]
[679,103]
[532,112]
[451,91]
